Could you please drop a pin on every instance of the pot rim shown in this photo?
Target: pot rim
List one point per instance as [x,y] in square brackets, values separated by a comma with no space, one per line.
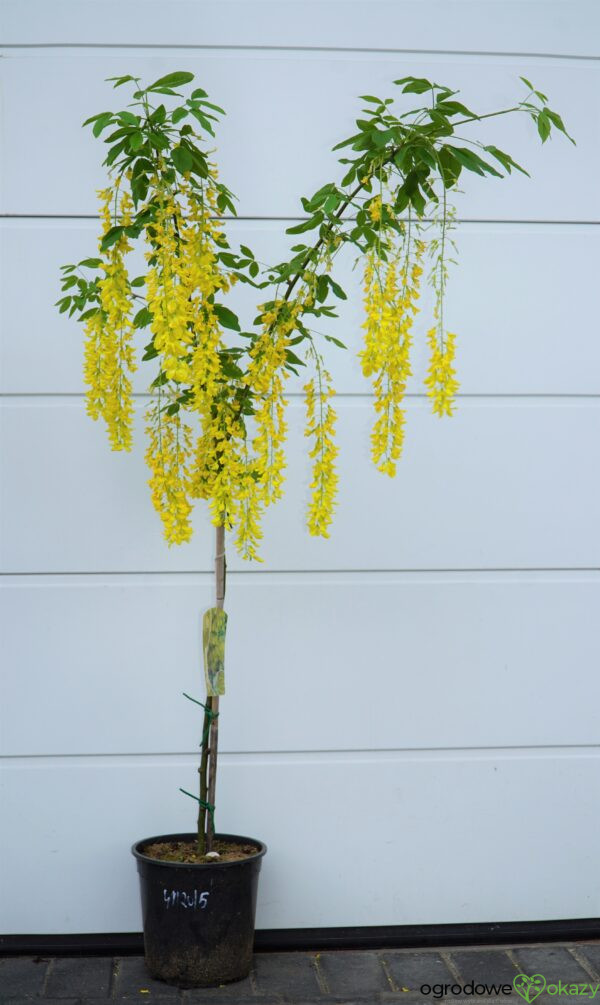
[136,851]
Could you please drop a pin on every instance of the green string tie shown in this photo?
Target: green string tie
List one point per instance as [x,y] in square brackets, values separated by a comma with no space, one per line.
[208,713]
[203,803]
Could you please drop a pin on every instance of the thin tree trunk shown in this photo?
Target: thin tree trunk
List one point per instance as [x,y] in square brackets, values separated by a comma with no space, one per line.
[202,771]
[214,701]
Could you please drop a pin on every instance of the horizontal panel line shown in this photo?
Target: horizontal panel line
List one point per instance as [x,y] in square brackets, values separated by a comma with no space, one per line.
[232,573]
[294,219]
[343,754]
[301,48]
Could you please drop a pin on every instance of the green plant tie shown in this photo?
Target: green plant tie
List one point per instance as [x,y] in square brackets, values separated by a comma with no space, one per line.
[203,803]
[207,711]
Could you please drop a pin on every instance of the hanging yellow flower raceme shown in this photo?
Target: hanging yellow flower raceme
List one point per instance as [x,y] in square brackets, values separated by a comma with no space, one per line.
[108,350]
[441,380]
[266,378]
[441,377]
[168,457]
[321,420]
[391,295]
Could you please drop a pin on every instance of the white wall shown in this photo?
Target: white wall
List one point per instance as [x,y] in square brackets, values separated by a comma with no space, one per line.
[411,721]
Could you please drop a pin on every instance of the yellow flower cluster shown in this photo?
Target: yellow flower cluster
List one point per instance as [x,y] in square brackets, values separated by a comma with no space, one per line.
[321,420]
[180,283]
[266,378]
[391,304]
[108,349]
[167,456]
[441,377]
[227,477]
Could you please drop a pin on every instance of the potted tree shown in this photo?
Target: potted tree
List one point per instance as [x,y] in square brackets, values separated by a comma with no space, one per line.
[216,423]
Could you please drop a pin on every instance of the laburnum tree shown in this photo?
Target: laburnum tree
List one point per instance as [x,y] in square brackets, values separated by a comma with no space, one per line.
[216,422]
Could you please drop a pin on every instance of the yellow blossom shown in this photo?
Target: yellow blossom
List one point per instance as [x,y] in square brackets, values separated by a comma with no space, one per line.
[391,294]
[441,377]
[168,457]
[108,350]
[321,420]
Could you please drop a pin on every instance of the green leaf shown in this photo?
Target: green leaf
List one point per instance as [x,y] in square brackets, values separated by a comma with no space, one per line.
[337,290]
[371,98]
[336,341]
[226,317]
[121,80]
[292,358]
[204,122]
[450,167]
[310,224]
[129,118]
[543,126]
[143,318]
[93,118]
[138,281]
[111,237]
[136,140]
[527,83]
[179,113]
[149,352]
[199,93]
[101,122]
[473,162]
[556,121]
[454,108]
[91,263]
[415,85]
[171,80]
[182,159]
[505,159]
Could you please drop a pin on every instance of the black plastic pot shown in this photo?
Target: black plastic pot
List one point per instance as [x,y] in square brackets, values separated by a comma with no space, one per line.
[198,919]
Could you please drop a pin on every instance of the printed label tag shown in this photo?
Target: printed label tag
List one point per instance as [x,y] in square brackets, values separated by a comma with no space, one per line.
[214,625]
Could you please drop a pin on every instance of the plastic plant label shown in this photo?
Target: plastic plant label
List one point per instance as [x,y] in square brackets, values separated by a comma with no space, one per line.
[214,626]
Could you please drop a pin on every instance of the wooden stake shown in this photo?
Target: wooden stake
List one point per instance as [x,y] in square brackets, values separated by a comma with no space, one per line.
[220,572]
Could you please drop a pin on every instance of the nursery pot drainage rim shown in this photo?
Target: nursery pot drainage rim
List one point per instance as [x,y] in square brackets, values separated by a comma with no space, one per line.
[198,916]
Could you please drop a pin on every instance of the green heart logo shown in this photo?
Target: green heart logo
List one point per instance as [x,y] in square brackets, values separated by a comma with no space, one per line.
[529,988]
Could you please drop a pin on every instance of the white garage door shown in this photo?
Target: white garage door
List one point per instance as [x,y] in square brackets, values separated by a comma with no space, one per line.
[412,720]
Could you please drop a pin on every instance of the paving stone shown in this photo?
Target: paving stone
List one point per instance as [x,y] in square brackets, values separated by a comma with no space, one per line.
[132,980]
[237,993]
[484,966]
[20,975]
[292,974]
[81,976]
[413,969]
[353,973]
[554,962]
[41,1001]
[592,955]
[202,996]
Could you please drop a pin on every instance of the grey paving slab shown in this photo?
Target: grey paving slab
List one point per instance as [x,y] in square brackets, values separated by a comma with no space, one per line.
[21,975]
[239,992]
[484,966]
[201,996]
[555,963]
[80,976]
[353,973]
[591,954]
[132,980]
[287,974]
[413,969]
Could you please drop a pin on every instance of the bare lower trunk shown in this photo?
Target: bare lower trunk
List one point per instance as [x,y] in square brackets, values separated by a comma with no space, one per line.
[213,743]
